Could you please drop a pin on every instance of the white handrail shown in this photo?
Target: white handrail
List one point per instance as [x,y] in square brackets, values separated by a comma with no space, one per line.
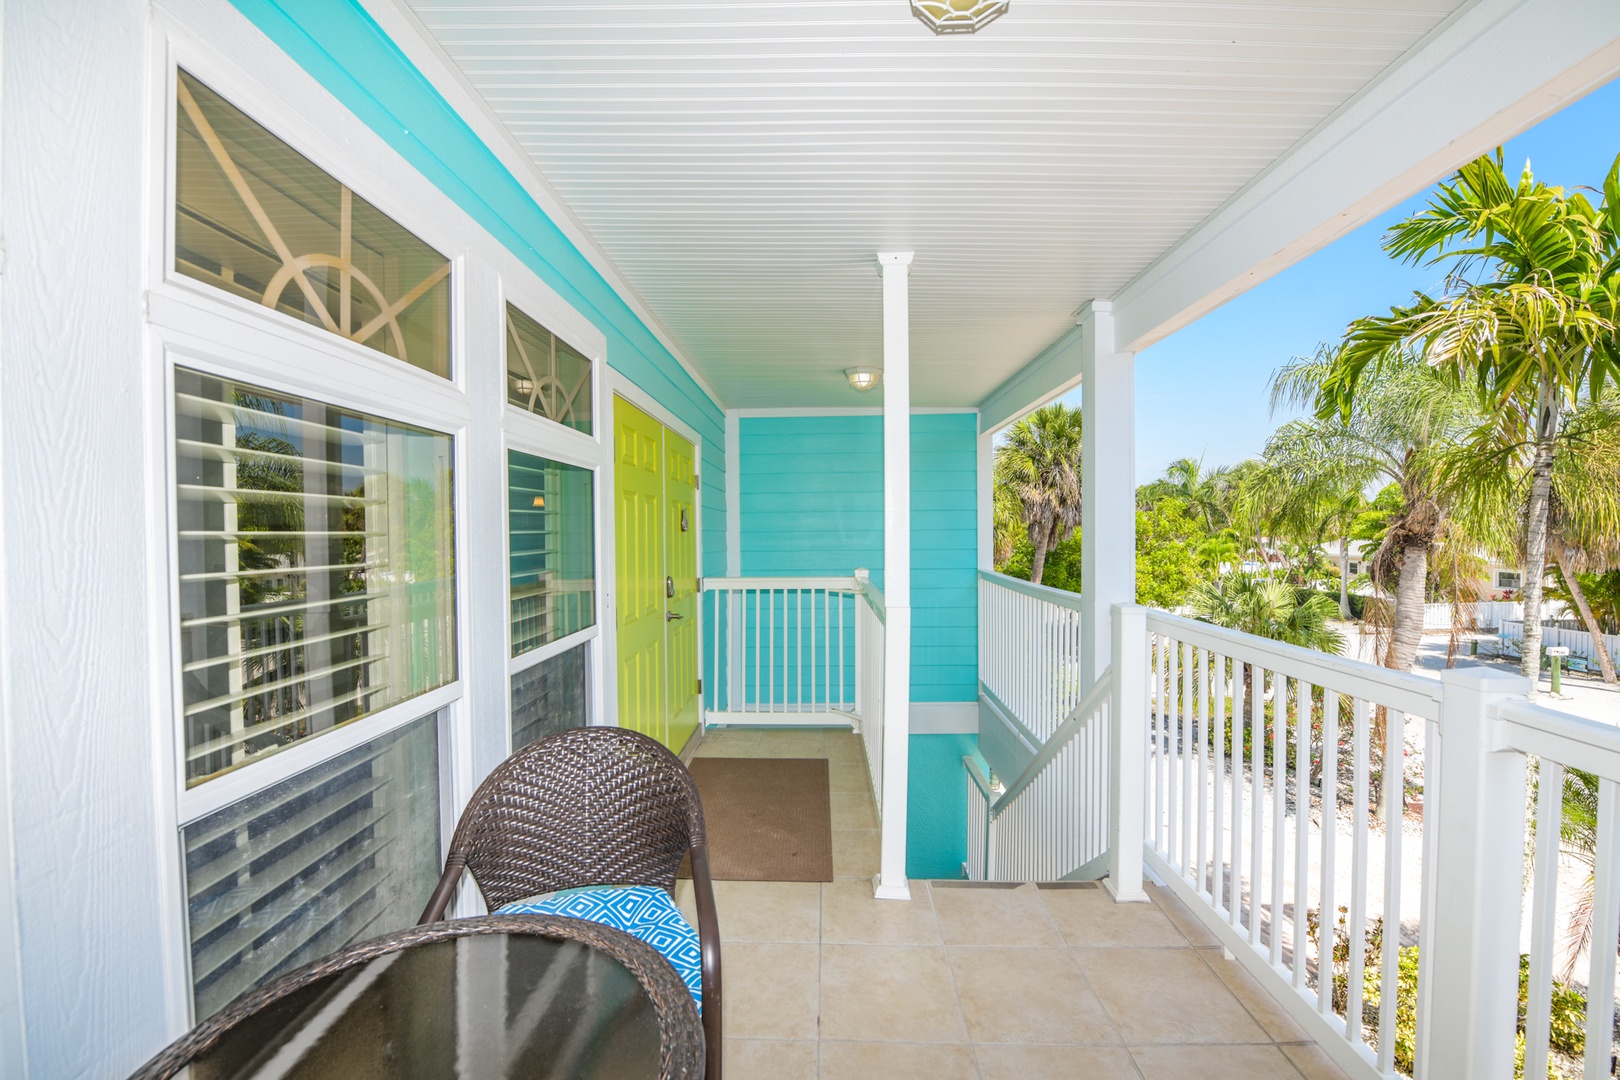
[842,584]
[780,650]
[1407,692]
[1061,597]
[1052,821]
[1095,698]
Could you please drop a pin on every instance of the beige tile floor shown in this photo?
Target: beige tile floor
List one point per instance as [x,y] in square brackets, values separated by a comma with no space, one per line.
[974,982]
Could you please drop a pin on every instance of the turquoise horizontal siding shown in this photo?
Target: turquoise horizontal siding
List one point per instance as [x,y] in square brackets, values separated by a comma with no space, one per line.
[810,493]
[343,48]
[936,805]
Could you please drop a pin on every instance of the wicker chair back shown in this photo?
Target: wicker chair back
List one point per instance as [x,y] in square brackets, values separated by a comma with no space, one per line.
[589,806]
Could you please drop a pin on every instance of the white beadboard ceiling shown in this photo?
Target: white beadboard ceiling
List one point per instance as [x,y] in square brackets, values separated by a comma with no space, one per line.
[741,163]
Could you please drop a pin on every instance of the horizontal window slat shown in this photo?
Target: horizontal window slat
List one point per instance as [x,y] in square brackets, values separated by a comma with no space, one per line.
[236,738]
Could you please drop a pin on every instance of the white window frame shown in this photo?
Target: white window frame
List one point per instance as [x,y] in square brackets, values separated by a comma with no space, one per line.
[529,433]
[192,324]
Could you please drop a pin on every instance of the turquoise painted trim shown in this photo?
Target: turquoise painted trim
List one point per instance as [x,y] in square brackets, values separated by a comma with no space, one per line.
[344,49]
[936,805]
[810,492]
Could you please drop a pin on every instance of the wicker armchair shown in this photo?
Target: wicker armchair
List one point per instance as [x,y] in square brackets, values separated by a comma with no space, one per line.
[589,806]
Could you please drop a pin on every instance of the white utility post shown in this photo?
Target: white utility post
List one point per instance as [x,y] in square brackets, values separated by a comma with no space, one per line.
[1108,480]
[891,881]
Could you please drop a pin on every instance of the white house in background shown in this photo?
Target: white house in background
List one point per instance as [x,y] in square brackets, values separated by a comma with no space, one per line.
[386,384]
[1501,580]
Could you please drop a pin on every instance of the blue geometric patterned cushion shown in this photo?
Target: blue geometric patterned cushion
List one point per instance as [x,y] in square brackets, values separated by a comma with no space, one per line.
[645,912]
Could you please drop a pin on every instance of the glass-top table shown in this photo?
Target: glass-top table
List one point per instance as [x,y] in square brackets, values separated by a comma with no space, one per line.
[537,997]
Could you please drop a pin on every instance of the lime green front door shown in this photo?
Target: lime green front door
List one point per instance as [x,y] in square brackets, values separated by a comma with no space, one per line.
[680,531]
[655,537]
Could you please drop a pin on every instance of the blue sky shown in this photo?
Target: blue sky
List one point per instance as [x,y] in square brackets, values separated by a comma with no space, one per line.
[1203,391]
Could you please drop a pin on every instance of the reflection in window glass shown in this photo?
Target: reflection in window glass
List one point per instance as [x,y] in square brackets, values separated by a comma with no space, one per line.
[341,852]
[255,217]
[545,375]
[549,697]
[316,567]
[553,546]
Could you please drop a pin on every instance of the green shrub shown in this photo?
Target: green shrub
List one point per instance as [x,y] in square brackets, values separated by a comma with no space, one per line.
[1567,1031]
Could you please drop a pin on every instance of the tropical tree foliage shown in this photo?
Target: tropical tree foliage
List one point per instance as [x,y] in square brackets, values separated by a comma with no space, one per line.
[1039,466]
[1526,318]
[1269,608]
[1396,431]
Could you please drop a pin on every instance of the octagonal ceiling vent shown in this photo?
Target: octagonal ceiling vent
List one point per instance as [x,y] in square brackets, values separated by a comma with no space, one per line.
[958,16]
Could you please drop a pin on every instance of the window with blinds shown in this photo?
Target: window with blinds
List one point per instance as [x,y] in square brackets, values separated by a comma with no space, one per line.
[342,852]
[552,542]
[549,697]
[316,567]
[258,219]
[545,375]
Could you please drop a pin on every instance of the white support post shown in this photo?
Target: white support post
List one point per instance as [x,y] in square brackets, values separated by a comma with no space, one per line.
[1127,758]
[1469,1013]
[891,881]
[1108,479]
[985,486]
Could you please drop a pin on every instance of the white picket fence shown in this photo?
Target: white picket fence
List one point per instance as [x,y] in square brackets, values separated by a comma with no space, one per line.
[1578,642]
[1488,614]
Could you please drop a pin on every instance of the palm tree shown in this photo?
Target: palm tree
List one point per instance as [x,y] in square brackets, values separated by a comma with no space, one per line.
[1206,493]
[1395,431]
[1527,316]
[1269,608]
[1040,464]
[1583,512]
[1007,518]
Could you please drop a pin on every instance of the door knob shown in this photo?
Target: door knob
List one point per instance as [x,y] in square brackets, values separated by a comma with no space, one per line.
[671,616]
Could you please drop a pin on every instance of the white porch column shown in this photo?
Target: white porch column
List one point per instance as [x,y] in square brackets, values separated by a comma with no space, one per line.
[891,881]
[1467,1011]
[1108,477]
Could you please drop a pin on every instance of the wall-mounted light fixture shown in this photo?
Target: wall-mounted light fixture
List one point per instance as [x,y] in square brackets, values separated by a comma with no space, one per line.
[863,378]
[523,385]
[539,501]
[958,16]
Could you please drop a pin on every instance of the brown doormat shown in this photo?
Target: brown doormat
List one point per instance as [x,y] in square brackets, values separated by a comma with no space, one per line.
[768,819]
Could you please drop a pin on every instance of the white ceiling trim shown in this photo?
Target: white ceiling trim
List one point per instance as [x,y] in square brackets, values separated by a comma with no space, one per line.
[406,30]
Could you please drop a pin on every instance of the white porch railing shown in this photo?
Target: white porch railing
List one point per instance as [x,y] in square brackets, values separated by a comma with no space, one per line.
[1383,905]
[869,636]
[1051,822]
[1247,740]
[1029,650]
[780,650]
[1557,742]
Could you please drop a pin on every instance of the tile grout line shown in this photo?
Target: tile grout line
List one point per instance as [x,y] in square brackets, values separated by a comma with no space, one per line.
[956,991]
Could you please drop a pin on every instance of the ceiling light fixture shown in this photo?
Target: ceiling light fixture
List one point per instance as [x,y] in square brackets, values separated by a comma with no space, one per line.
[958,16]
[863,378]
